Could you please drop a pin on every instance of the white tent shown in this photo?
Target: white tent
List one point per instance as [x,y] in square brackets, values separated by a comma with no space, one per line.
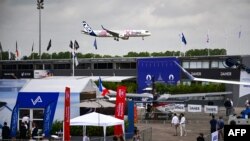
[58,84]
[97,119]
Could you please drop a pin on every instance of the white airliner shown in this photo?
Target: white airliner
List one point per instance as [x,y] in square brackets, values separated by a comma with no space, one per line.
[116,34]
[210,80]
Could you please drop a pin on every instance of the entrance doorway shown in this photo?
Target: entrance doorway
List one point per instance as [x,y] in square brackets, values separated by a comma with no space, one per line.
[35,115]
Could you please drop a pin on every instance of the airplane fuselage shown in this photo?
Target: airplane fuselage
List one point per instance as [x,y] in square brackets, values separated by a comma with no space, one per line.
[116,34]
[122,34]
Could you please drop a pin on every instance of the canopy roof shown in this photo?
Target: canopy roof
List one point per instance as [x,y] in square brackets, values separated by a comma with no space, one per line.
[58,84]
[96,119]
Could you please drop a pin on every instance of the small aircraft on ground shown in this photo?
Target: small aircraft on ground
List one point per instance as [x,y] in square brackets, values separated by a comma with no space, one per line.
[116,34]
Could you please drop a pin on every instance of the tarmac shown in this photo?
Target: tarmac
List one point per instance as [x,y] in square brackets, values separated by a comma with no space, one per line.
[196,123]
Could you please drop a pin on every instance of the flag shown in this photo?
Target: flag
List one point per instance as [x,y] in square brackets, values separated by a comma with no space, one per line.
[17,52]
[67,114]
[76,61]
[75,58]
[95,44]
[49,45]
[183,39]
[120,108]
[1,48]
[207,38]
[104,91]
[76,45]
[71,44]
[32,49]
[239,34]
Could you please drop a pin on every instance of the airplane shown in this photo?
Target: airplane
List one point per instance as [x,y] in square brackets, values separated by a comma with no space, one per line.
[165,103]
[192,78]
[123,34]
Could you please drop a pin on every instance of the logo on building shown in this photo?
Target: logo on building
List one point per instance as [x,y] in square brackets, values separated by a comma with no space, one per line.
[171,77]
[38,99]
[148,79]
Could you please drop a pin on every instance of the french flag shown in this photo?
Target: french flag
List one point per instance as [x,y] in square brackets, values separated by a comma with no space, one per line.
[103,90]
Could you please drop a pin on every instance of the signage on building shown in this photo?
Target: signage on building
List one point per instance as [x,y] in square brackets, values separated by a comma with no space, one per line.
[159,70]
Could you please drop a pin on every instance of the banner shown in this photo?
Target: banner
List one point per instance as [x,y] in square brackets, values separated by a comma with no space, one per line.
[120,108]
[14,120]
[135,114]
[149,69]
[214,136]
[244,89]
[194,108]
[67,115]
[179,108]
[211,109]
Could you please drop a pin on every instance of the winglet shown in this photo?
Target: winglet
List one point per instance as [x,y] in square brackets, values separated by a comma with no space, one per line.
[185,71]
[103,28]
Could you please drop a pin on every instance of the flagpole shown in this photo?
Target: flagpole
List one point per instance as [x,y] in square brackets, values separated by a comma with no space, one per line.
[208,51]
[73,63]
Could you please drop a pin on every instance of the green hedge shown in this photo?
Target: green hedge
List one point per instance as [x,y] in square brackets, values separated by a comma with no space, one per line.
[162,88]
[193,88]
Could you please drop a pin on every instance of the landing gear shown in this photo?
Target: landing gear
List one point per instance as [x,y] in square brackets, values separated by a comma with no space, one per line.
[116,38]
[142,38]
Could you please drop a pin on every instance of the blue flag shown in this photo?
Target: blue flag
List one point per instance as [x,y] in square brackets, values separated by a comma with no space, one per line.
[183,39]
[100,84]
[95,44]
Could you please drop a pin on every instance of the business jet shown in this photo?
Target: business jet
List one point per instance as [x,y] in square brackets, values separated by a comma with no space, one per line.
[116,34]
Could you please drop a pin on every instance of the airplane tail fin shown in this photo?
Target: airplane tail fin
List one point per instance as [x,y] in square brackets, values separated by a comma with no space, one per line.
[87,29]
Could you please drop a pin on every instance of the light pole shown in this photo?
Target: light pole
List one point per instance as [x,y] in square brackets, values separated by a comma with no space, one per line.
[39,7]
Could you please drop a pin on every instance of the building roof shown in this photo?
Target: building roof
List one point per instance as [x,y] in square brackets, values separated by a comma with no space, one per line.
[58,84]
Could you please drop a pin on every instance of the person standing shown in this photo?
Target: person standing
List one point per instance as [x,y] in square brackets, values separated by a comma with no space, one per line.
[213,124]
[183,130]
[34,131]
[247,103]
[86,138]
[220,126]
[228,106]
[175,123]
[23,131]
[5,132]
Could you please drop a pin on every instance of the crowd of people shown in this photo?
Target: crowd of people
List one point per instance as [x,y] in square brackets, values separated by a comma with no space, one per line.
[24,130]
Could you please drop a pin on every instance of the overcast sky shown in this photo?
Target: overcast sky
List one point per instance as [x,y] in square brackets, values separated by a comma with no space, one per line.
[165,19]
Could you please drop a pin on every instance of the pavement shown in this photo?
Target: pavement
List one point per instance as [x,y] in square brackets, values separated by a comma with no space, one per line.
[196,123]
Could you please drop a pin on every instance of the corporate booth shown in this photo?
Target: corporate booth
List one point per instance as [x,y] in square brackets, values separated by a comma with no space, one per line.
[43,101]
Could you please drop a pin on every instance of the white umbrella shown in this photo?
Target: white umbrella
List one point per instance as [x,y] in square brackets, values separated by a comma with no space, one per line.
[95,104]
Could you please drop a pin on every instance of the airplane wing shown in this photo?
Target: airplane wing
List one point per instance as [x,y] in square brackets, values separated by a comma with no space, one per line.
[115,34]
[210,80]
[131,95]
